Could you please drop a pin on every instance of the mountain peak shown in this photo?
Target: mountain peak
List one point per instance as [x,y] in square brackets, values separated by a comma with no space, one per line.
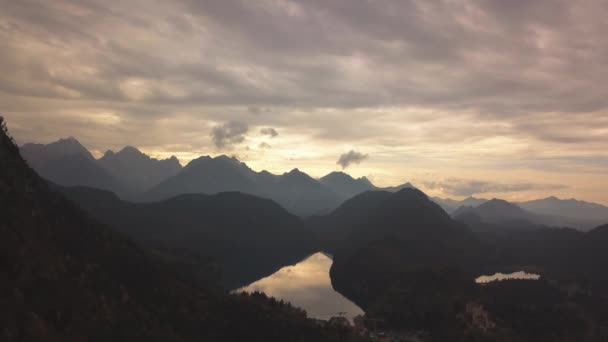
[58,149]
[224,157]
[296,172]
[411,191]
[337,174]
[108,154]
[69,140]
[130,150]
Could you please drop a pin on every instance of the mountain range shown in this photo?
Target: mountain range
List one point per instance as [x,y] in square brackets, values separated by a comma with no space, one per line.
[122,271]
[138,169]
[551,211]
[67,277]
[136,177]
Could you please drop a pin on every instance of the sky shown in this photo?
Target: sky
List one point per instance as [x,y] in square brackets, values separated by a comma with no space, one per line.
[490,98]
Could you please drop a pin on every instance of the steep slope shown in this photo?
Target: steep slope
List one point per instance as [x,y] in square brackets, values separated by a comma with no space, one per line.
[248,237]
[134,167]
[65,278]
[66,162]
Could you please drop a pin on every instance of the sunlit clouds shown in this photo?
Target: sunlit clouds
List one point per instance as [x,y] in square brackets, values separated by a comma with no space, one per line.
[500,98]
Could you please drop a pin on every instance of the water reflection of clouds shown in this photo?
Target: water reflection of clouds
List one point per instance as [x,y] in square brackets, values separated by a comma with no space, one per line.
[484,279]
[307,285]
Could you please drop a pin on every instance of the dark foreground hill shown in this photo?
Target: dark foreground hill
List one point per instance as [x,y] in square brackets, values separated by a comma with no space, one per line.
[66,278]
[246,236]
[412,268]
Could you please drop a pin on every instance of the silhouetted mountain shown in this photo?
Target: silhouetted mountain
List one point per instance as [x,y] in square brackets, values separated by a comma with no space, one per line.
[402,248]
[407,214]
[496,214]
[462,210]
[135,176]
[206,175]
[571,212]
[407,185]
[39,154]
[66,278]
[346,186]
[412,268]
[450,205]
[549,211]
[294,190]
[301,194]
[136,168]
[66,162]
[249,237]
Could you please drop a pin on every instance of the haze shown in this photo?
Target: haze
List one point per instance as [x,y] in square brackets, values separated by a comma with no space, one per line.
[490,98]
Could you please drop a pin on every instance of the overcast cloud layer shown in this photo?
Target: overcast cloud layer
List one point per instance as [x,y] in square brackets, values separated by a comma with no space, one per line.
[493,91]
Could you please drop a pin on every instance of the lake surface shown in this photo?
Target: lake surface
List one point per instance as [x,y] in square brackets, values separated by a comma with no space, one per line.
[308,286]
[484,279]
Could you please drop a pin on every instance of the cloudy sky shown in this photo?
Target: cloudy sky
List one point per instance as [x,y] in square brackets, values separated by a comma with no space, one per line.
[461,97]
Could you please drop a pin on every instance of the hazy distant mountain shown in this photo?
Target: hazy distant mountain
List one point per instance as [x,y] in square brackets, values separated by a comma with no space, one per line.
[135,176]
[39,154]
[498,215]
[569,212]
[300,194]
[345,185]
[549,211]
[407,185]
[450,205]
[207,175]
[136,168]
[500,211]
[66,162]
[294,190]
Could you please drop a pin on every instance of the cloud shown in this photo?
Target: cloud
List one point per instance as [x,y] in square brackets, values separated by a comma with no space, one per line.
[351,157]
[463,187]
[269,131]
[229,133]
[264,146]
[331,73]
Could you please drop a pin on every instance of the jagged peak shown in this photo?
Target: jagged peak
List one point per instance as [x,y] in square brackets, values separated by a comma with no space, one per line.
[67,141]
